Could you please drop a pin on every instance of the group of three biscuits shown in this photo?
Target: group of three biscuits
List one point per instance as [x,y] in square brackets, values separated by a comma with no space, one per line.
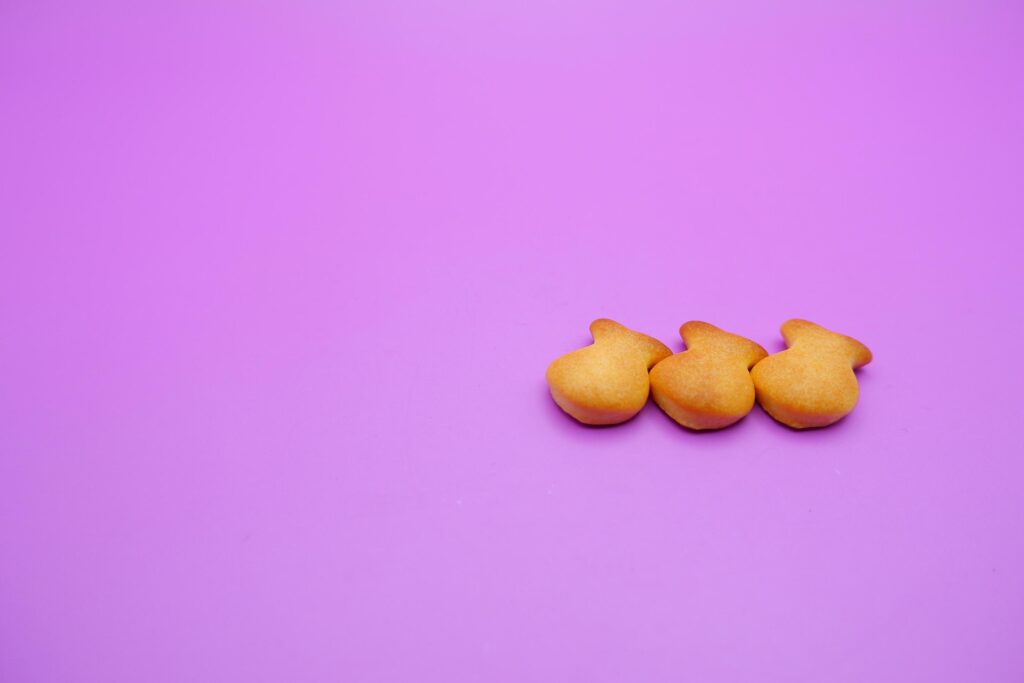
[714,382]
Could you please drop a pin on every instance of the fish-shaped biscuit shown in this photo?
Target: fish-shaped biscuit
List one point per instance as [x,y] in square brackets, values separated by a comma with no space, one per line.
[811,383]
[708,385]
[607,382]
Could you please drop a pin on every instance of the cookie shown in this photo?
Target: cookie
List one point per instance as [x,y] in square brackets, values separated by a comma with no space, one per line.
[708,385]
[606,383]
[811,383]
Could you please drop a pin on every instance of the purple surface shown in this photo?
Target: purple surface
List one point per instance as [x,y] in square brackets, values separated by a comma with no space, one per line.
[278,286]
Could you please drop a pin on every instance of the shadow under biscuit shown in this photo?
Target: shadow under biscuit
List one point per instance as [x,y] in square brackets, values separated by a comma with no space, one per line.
[728,434]
[808,432]
[560,417]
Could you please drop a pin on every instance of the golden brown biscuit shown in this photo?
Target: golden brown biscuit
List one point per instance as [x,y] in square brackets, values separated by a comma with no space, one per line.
[707,386]
[810,384]
[606,383]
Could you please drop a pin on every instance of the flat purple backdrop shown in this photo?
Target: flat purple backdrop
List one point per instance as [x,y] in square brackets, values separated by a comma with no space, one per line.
[279,282]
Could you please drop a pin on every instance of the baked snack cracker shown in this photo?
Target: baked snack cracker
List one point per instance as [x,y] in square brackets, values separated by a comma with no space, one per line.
[606,383]
[811,383]
[708,385]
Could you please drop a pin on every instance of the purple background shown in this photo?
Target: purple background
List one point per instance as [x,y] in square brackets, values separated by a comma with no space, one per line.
[279,283]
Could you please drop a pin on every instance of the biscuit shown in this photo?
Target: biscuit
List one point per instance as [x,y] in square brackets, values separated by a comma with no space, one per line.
[811,383]
[606,383]
[708,385]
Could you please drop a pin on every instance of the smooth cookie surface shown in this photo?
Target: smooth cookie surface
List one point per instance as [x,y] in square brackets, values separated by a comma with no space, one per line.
[607,382]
